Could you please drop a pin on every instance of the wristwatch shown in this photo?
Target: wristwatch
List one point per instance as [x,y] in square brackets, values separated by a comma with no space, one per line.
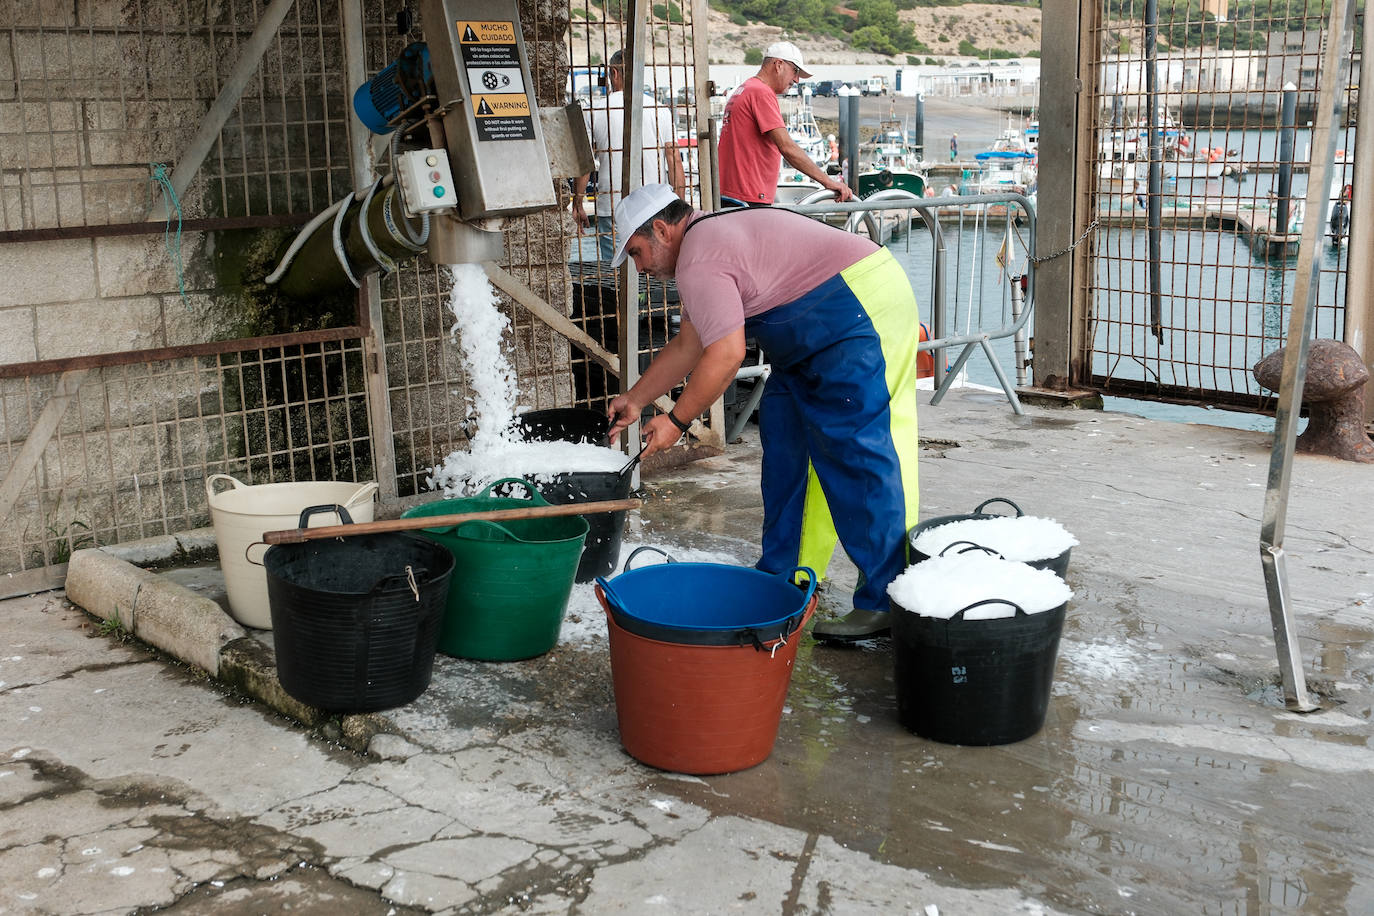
[683,427]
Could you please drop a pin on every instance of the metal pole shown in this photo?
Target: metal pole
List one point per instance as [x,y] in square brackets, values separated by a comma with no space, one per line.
[1020,344]
[374,343]
[1154,213]
[1288,118]
[1329,106]
[920,138]
[851,129]
[1359,263]
[632,165]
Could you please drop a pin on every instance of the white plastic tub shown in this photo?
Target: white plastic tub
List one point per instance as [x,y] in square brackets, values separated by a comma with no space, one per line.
[242,513]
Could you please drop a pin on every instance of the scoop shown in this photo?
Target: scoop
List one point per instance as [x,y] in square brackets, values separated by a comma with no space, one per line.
[633,461]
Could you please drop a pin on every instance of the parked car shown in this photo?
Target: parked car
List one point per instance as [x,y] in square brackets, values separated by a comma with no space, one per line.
[828,87]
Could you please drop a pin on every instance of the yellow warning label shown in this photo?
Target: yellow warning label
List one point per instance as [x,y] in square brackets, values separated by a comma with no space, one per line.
[502,106]
[500,32]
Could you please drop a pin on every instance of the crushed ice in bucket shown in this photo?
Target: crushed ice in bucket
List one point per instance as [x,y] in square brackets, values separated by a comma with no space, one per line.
[942,586]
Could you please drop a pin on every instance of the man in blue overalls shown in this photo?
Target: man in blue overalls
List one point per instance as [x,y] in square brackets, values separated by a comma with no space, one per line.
[837,317]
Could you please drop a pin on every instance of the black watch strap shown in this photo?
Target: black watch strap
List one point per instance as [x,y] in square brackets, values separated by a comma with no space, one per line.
[684,427]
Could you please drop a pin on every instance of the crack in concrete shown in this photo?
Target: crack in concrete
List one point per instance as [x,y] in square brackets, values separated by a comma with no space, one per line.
[789,905]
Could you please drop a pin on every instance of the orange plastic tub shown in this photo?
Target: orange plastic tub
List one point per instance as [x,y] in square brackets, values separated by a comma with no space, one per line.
[695,709]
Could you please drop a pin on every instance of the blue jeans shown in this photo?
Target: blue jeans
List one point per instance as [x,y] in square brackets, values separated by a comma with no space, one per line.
[605,239]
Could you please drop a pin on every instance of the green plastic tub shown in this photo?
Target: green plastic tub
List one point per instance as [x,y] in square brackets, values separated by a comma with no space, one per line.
[511,580]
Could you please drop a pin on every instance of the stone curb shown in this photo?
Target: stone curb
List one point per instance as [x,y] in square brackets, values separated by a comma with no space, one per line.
[105,583]
[156,610]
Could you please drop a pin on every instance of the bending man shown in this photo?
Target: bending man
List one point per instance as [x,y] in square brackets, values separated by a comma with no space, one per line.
[836,315]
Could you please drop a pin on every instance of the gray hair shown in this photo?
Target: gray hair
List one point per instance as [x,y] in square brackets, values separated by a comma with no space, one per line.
[672,214]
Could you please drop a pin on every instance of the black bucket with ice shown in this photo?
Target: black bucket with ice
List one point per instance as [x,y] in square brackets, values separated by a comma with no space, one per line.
[585,427]
[1039,542]
[975,639]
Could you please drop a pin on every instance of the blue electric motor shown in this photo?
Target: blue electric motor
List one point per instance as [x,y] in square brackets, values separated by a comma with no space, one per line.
[404,82]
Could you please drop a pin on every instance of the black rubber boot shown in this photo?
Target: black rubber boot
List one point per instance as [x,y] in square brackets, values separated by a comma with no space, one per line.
[853,626]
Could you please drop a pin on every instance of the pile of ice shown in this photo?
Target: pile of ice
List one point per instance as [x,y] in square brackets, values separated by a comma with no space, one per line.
[1023,538]
[496,450]
[943,586]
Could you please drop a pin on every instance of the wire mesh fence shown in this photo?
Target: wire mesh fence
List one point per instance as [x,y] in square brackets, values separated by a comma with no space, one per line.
[1190,136]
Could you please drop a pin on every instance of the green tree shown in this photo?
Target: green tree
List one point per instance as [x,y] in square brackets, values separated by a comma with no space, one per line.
[872,38]
[753,57]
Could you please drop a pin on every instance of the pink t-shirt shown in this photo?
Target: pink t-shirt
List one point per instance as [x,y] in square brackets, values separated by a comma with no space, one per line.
[749,161]
[742,263]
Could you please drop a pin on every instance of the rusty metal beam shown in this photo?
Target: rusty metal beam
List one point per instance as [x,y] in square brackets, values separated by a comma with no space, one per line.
[213,348]
[109,230]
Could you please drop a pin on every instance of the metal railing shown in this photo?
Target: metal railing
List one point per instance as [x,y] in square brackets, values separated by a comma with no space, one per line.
[1016,221]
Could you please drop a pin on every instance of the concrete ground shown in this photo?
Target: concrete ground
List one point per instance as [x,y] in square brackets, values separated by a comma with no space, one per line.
[1168,778]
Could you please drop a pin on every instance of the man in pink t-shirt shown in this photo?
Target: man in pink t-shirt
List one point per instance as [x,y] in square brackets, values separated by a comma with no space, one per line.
[837,317]
[754,139]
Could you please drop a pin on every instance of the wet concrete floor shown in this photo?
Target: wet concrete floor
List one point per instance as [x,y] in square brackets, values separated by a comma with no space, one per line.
[1168,777]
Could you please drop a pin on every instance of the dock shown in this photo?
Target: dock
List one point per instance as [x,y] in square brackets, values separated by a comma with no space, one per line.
[1256,225]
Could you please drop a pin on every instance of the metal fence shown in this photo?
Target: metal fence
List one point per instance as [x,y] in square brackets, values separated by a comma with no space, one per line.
[1185,315]
[142,355]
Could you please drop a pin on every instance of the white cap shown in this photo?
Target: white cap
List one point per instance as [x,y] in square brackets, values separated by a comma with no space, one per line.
[634,210]
[785,50]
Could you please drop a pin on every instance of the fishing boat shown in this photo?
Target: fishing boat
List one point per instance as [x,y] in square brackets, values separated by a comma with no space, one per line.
[890,163]
[793,184]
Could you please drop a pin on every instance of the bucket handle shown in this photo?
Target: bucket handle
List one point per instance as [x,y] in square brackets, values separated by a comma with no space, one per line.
[959,615]
[362,494]
[408,579]
[972,546]
[304,522]
[210,492]
[506,533]
[811,583]
[638,550]
[978,509]
[344,517]
[535,496]
[604,591]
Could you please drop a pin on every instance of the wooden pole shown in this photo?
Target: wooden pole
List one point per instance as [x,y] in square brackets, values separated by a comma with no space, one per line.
[301,535]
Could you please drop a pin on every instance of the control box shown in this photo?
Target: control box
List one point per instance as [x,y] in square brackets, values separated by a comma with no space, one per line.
[426,181]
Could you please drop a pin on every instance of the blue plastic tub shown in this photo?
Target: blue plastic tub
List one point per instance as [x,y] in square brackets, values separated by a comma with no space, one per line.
[708,604]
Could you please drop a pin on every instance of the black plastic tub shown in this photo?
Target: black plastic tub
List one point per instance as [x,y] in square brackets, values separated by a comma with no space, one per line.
[578,424]
[1059,565]
[356,620]
[975,682]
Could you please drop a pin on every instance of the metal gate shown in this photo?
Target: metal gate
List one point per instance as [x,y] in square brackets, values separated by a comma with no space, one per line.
[1182,312]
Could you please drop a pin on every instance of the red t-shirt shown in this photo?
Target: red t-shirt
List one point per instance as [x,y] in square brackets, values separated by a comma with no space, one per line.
[749,161]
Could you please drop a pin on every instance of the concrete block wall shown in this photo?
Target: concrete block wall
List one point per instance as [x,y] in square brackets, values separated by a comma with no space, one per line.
[91,95]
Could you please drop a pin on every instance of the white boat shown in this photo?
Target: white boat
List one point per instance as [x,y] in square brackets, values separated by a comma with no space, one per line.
[802,128]
[889,162]
[1005,172]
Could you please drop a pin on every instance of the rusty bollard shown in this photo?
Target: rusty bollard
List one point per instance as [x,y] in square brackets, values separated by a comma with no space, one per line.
[1333,391]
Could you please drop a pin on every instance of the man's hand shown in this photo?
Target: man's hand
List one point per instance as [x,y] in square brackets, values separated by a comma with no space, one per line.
[622,412]
[579,211]
[842,190]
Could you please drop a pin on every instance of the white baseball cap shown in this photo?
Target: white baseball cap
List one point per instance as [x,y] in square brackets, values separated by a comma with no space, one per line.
[785,50]
[634,210]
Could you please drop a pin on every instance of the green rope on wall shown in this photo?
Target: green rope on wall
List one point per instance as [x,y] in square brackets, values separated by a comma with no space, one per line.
[173,241]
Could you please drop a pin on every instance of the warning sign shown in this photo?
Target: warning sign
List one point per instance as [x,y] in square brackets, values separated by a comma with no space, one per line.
[500,32]
[491,57]
[503,117]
